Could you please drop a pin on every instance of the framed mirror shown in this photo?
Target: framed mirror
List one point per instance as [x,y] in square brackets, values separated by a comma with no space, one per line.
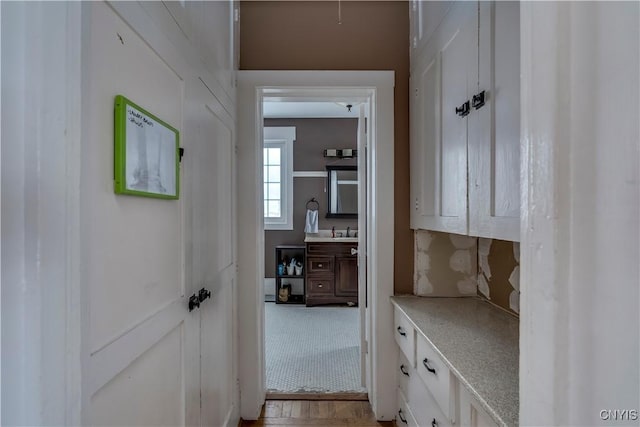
[342,191]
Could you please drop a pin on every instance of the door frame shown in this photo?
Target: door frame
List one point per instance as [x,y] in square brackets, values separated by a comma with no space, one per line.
[378,88]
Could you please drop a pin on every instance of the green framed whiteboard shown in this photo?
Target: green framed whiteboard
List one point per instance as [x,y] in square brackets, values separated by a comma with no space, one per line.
[146,153]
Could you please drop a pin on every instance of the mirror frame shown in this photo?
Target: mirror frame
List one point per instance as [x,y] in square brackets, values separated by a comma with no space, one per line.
[330,214]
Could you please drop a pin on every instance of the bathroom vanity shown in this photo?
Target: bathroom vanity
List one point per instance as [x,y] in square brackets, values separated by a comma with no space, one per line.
[332,270]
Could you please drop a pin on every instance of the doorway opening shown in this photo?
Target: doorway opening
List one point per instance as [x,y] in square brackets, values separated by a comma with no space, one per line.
[314,321]
[375,253]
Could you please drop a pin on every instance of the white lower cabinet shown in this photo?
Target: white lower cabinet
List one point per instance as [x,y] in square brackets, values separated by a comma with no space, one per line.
[405,336]
[428,393]
[404,373]
[424,407]
[405,416]
[471,414]
[435,374]
[420,402]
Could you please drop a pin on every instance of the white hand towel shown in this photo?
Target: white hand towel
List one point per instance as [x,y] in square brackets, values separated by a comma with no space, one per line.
[311,223]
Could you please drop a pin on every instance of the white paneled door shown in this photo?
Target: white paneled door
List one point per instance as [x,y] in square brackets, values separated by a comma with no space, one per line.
[148,359]
[210,261]
[140,342]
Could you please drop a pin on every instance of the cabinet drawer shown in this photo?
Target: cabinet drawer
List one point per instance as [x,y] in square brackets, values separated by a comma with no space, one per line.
[404,416]
[404,372]
[320,286]
[314,249]
[435,374]
[405,336]
[320,264]
[423,405]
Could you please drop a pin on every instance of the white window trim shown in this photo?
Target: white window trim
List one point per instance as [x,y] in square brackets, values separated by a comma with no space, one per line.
[282,136]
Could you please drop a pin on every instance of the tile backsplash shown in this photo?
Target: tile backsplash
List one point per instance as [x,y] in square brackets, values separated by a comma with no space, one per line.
[449,265]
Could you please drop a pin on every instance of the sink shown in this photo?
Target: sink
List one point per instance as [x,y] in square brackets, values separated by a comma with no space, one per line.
[325,236]
[331,239]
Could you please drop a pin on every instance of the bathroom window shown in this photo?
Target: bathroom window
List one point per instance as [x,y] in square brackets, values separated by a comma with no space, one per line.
[278,177]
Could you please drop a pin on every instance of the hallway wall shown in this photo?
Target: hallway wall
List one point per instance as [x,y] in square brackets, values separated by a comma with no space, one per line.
[373,35]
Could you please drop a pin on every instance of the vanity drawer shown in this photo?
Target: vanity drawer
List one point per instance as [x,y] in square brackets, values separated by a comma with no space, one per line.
[435,374]
[404,417]
[405,336]
[320,286]
[320,264]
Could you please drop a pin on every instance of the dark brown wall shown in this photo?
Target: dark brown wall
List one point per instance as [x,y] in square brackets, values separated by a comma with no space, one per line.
[374,35]
[313,136]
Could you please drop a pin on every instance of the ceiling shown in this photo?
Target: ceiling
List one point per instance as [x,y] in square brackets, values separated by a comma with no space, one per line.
[296,110]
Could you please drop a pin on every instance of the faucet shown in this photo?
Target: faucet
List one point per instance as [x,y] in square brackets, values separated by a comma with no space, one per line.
[333,231]
[348,228]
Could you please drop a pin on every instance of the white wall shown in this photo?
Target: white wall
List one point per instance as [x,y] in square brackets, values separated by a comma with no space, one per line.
[40,137]
[55,168]
[579,321]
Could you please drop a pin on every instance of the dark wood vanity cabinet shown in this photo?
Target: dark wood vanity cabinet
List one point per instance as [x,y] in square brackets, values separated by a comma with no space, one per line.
[346,276]
[332,273]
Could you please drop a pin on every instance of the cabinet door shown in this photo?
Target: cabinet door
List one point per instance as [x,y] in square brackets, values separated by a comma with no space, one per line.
[424,18]
[346,283]
[494,129]
[443,79]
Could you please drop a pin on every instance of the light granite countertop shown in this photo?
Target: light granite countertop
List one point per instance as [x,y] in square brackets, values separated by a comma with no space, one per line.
[478,341]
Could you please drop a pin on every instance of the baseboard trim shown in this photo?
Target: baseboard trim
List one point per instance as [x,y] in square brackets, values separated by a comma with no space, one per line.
[317,396]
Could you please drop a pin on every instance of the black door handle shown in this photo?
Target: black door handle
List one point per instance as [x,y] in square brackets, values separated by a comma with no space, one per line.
[434,423]
[204,294]
[403,370]
[403,419]
[463,110]
[425,362]
[194,302]
[478,100]
[401,331]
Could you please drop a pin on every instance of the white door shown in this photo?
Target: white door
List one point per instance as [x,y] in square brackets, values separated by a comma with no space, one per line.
[211,158]
[140,342]
[362,242]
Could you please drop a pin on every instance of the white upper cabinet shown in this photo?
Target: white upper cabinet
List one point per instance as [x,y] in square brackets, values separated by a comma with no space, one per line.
[425,17]
[443,79]
[465,159]
[494,129]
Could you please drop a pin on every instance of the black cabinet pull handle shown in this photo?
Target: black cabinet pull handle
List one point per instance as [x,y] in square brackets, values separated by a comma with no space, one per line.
[194,302]
[403,370]
[425,362]
[463,110]
[403,419]
[401,331]
[478,100]
[204,294]
[434,423]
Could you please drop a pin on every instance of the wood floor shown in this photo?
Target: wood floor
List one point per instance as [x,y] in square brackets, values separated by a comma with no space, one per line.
[316,413]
